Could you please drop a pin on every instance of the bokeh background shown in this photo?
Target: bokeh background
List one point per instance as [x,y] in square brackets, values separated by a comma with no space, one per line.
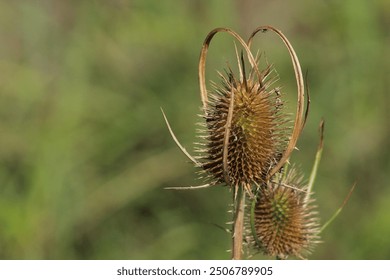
[85,154]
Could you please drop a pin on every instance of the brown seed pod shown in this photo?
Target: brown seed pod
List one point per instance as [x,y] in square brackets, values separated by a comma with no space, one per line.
[242,132]
[284,224]
[245,130]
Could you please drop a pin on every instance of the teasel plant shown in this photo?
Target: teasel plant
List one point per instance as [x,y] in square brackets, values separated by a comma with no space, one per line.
[283,220]
[245,143]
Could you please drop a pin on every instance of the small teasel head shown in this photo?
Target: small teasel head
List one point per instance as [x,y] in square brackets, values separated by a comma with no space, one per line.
[245,131]
[283,222]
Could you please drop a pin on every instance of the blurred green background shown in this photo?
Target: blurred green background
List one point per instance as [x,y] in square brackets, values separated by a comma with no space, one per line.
[85,154]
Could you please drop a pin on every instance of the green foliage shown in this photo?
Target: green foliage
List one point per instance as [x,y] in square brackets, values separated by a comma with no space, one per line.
[85,154]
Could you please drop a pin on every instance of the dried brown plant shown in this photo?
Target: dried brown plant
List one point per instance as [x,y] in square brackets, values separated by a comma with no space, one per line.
[245,142]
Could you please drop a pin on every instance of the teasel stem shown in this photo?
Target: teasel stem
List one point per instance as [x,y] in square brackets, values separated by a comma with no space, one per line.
[238,223]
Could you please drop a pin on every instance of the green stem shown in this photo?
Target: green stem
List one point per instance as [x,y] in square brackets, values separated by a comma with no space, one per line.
[313,173]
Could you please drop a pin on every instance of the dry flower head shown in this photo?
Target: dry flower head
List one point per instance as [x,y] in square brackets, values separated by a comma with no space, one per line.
[245,142]
[285,222]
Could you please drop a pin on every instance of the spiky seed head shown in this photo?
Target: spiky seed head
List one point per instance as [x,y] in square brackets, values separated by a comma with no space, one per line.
[285,223]
[257,131]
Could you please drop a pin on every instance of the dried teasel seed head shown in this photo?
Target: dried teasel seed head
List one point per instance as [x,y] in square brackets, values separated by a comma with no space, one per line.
[245,130]
[284,223]
[233,129]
